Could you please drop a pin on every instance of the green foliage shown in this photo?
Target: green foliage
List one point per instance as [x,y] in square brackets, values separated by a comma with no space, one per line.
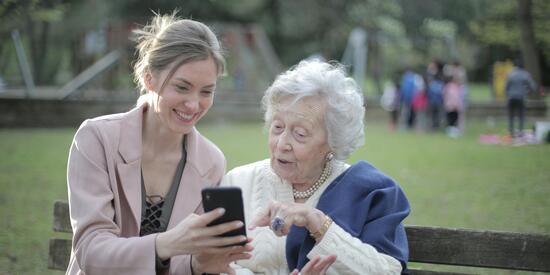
[499,24]
[439,28]
[402,33]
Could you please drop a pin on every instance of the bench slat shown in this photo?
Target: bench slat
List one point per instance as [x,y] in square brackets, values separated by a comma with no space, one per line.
[507,250]
[429,272]
[60,253]
[61,220]
[436,245]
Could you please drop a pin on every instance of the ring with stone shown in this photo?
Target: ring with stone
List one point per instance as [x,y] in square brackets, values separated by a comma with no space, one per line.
[277,224]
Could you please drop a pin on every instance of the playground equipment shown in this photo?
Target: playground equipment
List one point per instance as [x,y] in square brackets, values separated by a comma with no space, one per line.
[252,65]
[355,54]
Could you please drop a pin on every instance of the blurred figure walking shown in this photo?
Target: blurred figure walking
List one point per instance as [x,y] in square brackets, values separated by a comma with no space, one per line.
[407,89]
[453,103]
[435,83]
[390,102]
[518,85]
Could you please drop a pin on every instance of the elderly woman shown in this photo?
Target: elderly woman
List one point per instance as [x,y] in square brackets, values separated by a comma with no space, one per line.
[305,204]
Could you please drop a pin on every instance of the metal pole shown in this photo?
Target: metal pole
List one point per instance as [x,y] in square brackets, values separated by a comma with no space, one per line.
[90,73]
[23,65]
[358,40]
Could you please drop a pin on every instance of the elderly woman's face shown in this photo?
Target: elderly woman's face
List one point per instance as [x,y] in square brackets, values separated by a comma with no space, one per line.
[298,140]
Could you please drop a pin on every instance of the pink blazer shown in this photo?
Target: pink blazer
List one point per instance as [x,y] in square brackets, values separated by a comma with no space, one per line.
[104,187]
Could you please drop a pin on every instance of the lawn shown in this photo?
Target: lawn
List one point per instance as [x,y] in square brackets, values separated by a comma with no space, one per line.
[449,182]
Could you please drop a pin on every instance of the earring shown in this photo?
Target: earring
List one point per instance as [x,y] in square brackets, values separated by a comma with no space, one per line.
[330,156]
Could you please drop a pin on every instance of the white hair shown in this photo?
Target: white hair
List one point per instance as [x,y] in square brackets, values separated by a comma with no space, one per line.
[328,81]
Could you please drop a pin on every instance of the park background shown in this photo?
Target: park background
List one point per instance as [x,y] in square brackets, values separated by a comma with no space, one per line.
[77,59]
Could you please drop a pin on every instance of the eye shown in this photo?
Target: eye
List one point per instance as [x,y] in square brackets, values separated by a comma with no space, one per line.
[207,93]
[181,88]
[300,133]
[277,128]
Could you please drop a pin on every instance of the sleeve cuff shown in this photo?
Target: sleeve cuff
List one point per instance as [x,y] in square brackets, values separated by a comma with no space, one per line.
[324,247]
[337,241]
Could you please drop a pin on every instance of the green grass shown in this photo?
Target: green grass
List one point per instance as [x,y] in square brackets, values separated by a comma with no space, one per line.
[32,175]
[449,182]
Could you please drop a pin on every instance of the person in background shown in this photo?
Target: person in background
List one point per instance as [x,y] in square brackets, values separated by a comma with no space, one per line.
[310,211]
[406,94]
[462,78]
[453,103]
[519,84]
[420,103]
[390,102]
[134,179]
[435,86]
[457,73]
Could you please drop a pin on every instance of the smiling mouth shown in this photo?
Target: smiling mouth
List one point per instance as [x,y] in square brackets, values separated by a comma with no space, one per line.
[183,116]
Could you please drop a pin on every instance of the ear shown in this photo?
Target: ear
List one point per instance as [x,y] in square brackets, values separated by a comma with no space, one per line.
[149,81]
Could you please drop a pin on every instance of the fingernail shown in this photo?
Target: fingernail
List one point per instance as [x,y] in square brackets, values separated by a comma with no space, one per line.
[221,210]
[239,224]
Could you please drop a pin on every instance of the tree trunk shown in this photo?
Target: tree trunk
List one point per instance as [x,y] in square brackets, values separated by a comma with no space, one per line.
[274,10]
[528,45]
[41,55]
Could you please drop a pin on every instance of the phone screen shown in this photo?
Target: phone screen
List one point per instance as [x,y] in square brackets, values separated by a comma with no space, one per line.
[229,198]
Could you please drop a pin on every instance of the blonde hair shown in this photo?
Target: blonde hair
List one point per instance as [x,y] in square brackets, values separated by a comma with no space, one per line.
[168,40]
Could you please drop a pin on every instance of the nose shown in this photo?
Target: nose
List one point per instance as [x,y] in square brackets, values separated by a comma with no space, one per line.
[284,142]
[191,103]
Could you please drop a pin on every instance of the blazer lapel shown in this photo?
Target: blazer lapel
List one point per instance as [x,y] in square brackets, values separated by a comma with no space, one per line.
[130,181]
[129,171]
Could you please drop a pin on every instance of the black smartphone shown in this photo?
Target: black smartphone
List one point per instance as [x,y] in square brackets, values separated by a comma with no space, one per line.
[231,199]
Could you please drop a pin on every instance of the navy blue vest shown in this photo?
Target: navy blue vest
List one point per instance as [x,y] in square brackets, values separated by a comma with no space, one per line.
[368,205]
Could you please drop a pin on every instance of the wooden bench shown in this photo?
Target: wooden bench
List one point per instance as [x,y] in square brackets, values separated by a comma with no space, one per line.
[434,245]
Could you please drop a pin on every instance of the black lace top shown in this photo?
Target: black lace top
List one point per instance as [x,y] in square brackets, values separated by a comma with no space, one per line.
[156,210]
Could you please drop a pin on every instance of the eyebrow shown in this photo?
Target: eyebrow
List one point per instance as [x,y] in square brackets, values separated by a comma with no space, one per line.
[191,84]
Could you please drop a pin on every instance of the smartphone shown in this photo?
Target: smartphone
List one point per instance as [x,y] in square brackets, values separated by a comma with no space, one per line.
[231,199]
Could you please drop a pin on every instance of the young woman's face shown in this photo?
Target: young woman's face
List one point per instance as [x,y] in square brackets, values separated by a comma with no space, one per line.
[187,95]
[298,140]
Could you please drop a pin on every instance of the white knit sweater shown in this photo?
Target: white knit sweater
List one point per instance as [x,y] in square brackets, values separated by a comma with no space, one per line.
[260,186]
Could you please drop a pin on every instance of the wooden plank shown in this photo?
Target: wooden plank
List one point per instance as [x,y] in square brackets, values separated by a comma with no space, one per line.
[507,250]
[61,220]
[59,254]
[492,249]
[430,272]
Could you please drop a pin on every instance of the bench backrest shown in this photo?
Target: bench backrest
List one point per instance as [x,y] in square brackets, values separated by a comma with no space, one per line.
[436,245]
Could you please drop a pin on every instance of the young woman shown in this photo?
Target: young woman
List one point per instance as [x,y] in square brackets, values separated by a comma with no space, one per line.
[134,179]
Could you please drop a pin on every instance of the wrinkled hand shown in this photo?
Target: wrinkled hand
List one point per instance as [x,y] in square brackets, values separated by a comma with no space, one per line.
[317,266]
[193,236]
[298,214]
[219,262]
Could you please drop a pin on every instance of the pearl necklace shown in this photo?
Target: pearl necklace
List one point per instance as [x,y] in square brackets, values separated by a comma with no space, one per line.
[309,192]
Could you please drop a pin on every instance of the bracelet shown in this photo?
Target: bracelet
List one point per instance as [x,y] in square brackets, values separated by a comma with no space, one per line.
[322,230]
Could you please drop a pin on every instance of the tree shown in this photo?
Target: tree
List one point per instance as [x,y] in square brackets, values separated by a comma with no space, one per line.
[528,44]
[498,29]
[34,19]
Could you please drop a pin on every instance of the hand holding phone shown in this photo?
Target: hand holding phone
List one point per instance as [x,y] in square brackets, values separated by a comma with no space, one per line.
[229,198]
